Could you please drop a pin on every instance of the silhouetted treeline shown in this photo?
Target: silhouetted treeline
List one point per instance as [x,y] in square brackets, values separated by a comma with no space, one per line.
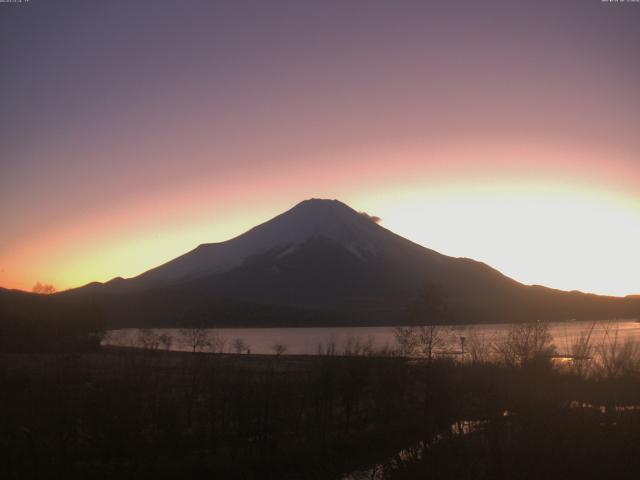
[41,323]
[158,414]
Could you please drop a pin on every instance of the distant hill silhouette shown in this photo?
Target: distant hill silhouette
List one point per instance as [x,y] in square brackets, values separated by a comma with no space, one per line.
[323,263]
[34,322]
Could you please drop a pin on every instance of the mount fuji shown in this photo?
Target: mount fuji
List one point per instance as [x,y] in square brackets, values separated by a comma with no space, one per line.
[323,263]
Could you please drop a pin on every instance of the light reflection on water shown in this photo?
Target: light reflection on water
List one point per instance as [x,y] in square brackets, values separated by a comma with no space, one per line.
[311,341]
[413,454]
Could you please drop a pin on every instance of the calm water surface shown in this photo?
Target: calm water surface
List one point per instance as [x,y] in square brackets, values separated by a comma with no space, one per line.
[308,341]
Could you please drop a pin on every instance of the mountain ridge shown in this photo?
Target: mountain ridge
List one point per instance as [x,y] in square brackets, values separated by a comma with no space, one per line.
[308,219]
[324,263]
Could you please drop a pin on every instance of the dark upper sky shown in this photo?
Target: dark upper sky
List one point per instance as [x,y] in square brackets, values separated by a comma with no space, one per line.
[133,129]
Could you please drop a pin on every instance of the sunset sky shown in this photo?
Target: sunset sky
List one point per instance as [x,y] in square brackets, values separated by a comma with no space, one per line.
[508,132]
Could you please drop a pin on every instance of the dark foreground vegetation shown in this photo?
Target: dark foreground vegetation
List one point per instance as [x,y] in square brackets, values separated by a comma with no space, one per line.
[159,414]
[504,408]
[39,323]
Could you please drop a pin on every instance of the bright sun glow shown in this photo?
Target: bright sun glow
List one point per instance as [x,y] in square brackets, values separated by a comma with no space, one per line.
[563,239]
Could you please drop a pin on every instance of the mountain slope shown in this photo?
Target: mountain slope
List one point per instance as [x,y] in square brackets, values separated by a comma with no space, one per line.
[324,263]
[328,219]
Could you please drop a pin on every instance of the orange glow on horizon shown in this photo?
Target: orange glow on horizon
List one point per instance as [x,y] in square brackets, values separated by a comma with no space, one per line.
[538,222]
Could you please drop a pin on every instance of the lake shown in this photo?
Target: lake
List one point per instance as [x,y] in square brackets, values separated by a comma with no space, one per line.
[310,341]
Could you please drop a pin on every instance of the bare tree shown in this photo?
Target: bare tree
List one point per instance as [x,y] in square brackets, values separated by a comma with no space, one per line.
[148,339]
[166,341]
[526,342]
[355,346]
[431,338]
[478,349]
[426,336]
[43,288]
[582,350]
[423,340]
[239,345]
[407,340]
[616,358]
[279,348]
[197,338]
[217,342]
[329,348]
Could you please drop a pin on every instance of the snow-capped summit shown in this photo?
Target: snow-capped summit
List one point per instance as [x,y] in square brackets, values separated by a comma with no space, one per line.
[310,219]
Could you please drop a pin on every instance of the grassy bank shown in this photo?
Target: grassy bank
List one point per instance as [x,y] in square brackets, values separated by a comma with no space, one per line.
[130,413]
